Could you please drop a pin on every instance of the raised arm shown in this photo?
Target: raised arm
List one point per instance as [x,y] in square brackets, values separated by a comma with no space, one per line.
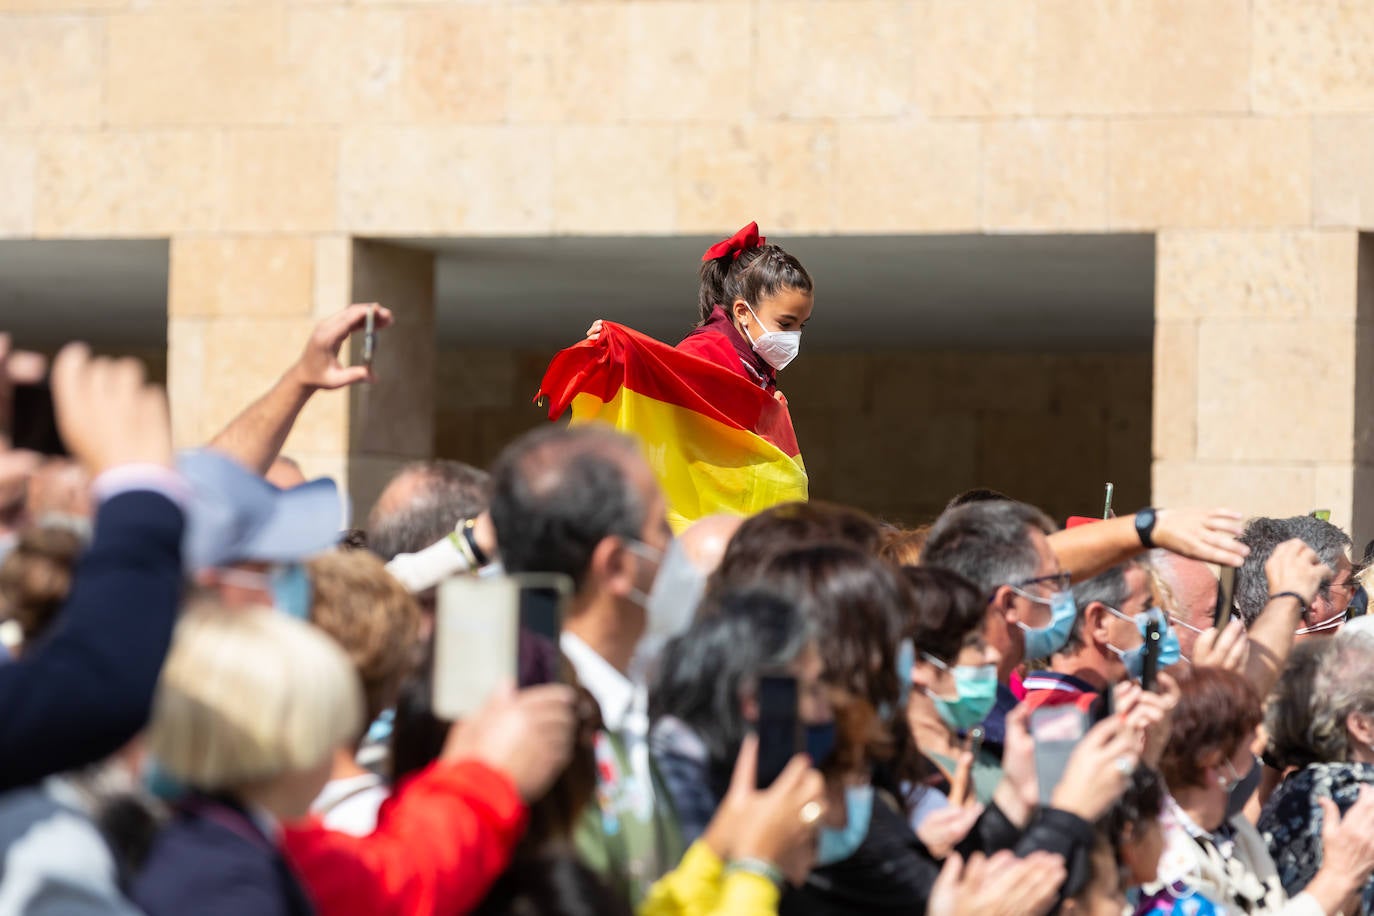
[255,437]
[1209,535]
[82,693]
[1294,574]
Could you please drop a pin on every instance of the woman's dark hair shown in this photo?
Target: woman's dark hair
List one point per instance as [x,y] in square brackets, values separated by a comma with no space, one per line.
[704,673]
[1217,712]
[785,527]
[1142,802]
[552,883]
[854,602]
[418,736]
[947,611]
[755,274]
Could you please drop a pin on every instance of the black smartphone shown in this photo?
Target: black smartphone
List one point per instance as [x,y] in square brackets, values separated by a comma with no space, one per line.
[1226,597]
[543,600]
[779,727]
[35,422]
[1149,669]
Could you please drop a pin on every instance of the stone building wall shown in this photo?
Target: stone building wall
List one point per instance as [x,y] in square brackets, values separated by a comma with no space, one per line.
[262,136]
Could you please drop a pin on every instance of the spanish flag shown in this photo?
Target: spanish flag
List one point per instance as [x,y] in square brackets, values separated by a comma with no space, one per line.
[716,441]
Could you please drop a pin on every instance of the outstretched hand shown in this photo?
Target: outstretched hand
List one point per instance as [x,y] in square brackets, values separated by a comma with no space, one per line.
[319,366]
[107,414]
[1210,535]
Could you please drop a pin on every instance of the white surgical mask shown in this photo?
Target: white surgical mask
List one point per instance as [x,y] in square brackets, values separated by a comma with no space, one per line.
[671,604]
[776,348]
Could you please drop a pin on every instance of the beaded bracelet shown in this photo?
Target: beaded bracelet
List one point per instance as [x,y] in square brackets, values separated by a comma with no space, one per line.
[760,867]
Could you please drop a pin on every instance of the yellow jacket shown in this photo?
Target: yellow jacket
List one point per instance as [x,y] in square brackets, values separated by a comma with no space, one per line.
[699,887]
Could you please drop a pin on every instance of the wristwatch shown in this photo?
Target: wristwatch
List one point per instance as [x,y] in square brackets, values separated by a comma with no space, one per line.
[1145,527]
[479,555]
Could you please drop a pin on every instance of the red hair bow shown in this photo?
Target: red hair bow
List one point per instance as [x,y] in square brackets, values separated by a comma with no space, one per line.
[737,244]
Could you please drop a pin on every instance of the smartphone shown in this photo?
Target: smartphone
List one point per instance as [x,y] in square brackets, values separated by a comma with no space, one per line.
[1107,508]
[1057,731]
[1226,597]
[1149,669]
[35,422]
[779,727]
[495,630]
[543,601]
[370,337]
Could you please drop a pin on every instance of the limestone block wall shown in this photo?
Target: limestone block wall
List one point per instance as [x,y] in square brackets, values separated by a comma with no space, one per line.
[269,133]
[895,433]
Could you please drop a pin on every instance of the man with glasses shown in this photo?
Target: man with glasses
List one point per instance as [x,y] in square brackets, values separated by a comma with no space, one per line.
[1013,552]
[1314,613]
[1106,644]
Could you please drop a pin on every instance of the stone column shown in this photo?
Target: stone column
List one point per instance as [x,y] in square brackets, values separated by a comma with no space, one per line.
[1264,373]
[242,308]
[392,420]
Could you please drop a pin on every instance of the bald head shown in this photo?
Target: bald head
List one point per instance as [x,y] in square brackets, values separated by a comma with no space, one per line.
[1193,586]
[422,503]
[558,491]
[705,540]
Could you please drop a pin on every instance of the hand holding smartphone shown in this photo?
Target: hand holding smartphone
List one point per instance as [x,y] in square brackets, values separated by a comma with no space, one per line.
[494,631]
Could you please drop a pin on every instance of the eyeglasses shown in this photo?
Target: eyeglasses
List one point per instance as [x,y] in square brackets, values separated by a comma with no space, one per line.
[1059,581]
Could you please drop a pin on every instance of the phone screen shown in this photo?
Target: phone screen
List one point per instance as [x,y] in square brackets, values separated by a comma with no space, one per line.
[543,601]
[779,727]
[35,423]
[1057,731]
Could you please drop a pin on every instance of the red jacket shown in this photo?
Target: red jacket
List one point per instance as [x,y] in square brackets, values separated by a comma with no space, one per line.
[441,841]
[719,341]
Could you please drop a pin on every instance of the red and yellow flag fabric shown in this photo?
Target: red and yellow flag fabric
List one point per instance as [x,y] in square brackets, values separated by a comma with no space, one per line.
[716,441]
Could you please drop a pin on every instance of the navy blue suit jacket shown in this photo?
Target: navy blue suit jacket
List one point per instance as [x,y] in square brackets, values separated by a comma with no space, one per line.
[87,688]
[213,860]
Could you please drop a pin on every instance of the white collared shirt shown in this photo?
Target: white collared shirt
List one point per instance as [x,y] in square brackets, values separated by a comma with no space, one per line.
[624,710]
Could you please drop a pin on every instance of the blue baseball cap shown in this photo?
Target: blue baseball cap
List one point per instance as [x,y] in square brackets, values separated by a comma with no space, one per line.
[236,516]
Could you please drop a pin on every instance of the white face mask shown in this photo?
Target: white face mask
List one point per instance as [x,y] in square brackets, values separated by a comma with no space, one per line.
[777,348]
[671,603]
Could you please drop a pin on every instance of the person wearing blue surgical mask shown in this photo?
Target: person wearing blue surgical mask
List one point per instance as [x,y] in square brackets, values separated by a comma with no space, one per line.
[953,679]
[1106,644]
[284,586]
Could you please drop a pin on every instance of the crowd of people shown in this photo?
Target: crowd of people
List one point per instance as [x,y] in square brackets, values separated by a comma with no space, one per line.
[220,702]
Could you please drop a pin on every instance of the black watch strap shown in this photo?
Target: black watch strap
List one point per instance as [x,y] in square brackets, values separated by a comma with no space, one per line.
[1145,527]
[478,553]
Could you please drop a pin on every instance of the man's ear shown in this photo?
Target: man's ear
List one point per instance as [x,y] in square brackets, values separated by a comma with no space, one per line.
[612,567]
[1361,728]
[1004,600]
[1096,617]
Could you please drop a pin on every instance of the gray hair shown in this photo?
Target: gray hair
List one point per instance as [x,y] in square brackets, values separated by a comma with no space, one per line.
[1109,588]
[446,493]
[987,543]
[1301,718]
[1262,535]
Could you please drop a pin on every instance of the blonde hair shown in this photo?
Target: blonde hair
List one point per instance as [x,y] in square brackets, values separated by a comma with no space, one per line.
[248,695]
